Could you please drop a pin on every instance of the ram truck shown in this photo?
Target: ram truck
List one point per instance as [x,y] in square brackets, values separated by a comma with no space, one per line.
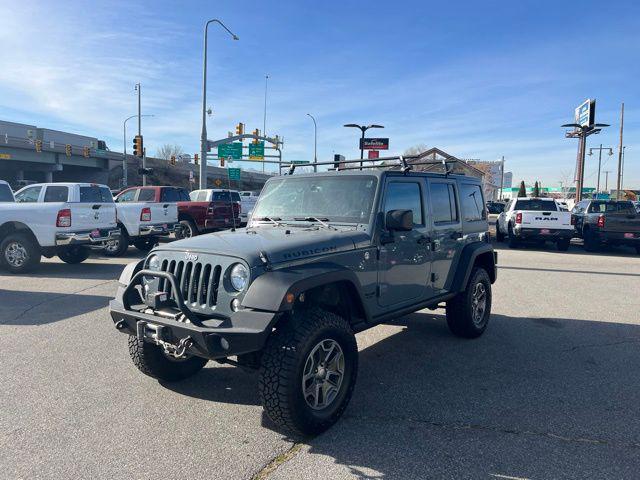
[225,206]
[248,201]
[142,221]
[536,220]
[324,256]
[607,222]
[62,219]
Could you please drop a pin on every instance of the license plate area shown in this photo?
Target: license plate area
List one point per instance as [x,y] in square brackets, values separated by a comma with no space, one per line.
[95,233]
[629,235]
[545,231]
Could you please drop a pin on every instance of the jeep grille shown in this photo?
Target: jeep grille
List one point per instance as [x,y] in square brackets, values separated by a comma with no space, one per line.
[197,281]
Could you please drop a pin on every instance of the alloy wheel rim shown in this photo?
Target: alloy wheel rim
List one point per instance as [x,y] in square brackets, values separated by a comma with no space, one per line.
[323,374]
[112,245]
[15,254]
[479,303]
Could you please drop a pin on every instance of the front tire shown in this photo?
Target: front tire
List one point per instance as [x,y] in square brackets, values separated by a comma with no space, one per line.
[74,255]
[514,242]
[19,253]
[145,245]
[469,311]
[308,371]
[118,246]
[591,243]
[151,360]
[563,245]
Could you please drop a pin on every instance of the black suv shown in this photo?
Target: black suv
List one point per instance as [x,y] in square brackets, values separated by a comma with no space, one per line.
[324,256]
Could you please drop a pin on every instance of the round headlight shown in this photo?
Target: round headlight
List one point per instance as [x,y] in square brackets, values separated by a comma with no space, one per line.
[153,263]
[239,276]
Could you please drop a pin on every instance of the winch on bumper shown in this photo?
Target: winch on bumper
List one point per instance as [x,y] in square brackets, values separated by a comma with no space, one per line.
[179,331]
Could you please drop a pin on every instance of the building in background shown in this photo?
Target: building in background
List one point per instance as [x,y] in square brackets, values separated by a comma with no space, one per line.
[492,180]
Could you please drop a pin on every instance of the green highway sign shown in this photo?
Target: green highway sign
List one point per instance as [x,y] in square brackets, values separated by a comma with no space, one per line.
[234,173]
[300,162]
[233,150]
[256,151]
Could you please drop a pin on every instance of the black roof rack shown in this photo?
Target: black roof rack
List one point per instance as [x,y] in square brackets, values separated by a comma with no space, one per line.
[400,159]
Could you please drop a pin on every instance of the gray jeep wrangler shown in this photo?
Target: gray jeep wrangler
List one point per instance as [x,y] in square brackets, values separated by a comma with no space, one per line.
[324,256]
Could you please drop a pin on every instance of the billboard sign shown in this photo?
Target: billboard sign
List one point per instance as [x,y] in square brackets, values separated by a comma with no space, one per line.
[586,113]
[373,154]
[374,143]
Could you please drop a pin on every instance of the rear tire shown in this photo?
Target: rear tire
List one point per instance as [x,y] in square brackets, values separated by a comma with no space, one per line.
[591,243]
[308,371]
[74,255]
[118,246]
[145,245]
[189,229]
[469,311]
[151,360]
[563,245]
[499,234]
[514,242]
[19,253]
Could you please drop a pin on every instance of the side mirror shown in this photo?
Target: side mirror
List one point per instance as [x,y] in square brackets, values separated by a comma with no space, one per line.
[400,220]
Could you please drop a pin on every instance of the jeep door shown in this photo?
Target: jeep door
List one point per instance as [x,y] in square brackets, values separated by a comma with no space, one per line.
[447,230]
[405,257]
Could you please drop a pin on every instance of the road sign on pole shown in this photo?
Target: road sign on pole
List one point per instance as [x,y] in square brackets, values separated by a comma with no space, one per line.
[300,162]
[373,154]
[234,173]
[230,150]
[256,151]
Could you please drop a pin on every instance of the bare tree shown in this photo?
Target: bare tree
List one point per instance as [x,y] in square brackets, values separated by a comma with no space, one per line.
[416,149]
[167,151]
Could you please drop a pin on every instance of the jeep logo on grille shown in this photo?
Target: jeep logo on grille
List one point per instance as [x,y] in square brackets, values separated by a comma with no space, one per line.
[191,257]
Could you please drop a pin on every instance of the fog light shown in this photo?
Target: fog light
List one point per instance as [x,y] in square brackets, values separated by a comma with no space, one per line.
[235,304]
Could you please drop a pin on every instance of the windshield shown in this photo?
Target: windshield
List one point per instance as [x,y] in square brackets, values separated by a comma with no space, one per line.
[346,199]
[535,205]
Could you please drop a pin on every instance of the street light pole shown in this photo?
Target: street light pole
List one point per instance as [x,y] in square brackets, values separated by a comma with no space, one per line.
[600,161]
[606,179]
[362,129]
[203,133]
[125,179]
[264,120]
[315,143]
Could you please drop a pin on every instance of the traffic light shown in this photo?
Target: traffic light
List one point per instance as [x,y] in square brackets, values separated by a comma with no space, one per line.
[256,132]
[173,160]
[240,128]
[222,161]
[85,152]
[67,150]
[38,146]
[195,158]
[137,146]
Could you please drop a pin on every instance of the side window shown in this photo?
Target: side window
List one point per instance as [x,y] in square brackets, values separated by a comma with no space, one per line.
[147,195]
[443,203]
[28,195]
[404,196]
[56,193]
[128,196]
[184,195]
[202,196]
[472,203]
[168,195]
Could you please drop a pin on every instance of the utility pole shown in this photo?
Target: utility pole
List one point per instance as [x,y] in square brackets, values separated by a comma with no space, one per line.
[315,143]
[502,177]
[606,179]
[622,169]
[264,120]
[138,89]
[600,161]
[144,166]
[620,150]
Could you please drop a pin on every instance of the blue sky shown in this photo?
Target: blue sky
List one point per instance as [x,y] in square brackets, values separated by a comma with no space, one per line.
[476,79]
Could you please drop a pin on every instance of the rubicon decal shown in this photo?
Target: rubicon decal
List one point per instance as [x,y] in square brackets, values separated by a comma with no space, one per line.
[309,251]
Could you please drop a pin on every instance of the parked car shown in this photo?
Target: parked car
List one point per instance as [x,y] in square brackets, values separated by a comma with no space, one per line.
[248,201]
[6,194]
[48,219]
[225,207]
[607,222]
[534,219]
[142,220]
[495,207]
[636,204]
[324,256]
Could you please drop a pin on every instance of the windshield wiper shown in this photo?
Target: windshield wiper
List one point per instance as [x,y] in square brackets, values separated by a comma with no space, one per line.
[321,221]
[274,220]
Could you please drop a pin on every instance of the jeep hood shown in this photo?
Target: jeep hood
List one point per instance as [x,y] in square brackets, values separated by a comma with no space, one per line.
[280,244]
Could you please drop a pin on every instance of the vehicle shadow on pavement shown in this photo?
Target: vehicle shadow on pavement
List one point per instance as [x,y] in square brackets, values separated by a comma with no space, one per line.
[87,270]
[574,249]
[39,308]
[532,398]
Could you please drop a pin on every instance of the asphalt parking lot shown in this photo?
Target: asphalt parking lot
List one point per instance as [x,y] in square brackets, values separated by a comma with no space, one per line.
[550,391]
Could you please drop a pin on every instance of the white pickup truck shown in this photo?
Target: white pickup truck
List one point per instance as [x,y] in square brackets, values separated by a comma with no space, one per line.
[141,223]
[248,202]
[534,219]
[48,219]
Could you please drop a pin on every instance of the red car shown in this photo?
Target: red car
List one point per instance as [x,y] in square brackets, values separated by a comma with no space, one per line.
[212,212]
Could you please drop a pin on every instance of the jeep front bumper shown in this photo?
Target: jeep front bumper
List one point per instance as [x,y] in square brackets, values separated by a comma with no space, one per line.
[86,237]
[242,332]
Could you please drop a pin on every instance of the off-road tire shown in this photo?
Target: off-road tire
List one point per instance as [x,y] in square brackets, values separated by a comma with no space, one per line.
[74,255]
[563,245]
[24,242]
[145,244]
[514,242]
[123,245]
[151,360]
[189,229]
[283,362]
[499,234]
[460,317]
[591,243]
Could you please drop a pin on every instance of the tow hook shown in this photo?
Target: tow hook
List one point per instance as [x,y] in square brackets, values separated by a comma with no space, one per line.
[176,351]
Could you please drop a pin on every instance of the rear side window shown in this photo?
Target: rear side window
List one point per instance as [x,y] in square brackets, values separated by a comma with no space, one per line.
[405,196]
[221,197]
[147,195]
[128,196]
[443,203]
[472,203]
[612,207]
[56,193]
[169,195]
[5,193]
[28,195]
[235,196]
[183,195]
[536,205]
[95,194]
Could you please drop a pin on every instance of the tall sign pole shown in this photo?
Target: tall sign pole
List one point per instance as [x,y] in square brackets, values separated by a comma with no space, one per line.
[502,178]
[620,154]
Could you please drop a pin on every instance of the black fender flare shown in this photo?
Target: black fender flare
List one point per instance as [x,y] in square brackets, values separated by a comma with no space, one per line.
[269,291]
[477,251]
